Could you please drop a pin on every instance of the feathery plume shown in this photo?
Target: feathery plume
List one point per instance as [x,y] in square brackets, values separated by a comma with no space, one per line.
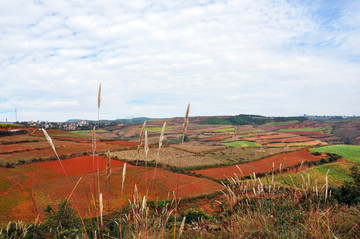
[326,184]
[49,140]
[161,139]
[123,178]
[146,147]
[141,134]
[186,121]
[182,227]
[108,166]
[101,209]
[99,96]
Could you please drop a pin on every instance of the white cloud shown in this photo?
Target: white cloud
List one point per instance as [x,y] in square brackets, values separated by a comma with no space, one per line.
[276,58]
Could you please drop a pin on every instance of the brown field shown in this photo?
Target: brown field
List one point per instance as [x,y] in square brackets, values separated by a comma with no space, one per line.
[20,138]
[169,156]
[44,183]
[13,153]
[260,166]
[196,147]
[217,138]
[8,148]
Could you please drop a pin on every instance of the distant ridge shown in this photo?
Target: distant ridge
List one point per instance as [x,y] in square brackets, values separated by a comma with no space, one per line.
[132,120]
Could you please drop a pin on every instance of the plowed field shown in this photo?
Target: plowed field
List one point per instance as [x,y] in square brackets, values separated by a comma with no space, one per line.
[44,183]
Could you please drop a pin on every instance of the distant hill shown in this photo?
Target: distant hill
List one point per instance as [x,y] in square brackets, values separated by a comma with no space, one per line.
[132,120]
[137,120]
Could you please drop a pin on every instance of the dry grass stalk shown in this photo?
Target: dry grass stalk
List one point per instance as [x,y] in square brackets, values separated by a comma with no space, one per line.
[240,170]
[301,165]
[123,178]
[182,227]
[68,199]
[272,173]
[101,209]
[186,121]
[161,139]
[48,138]
[99,96]
[142,132]
[146,151]
[108,174]
[326,184]
[108,167]
[122,193]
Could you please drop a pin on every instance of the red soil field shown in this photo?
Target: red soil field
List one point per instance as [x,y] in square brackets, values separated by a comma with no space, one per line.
[23,146]
[44,183]
[260,166]
[74,139]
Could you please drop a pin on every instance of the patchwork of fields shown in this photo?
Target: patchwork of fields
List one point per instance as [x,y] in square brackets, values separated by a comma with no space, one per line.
[213,152]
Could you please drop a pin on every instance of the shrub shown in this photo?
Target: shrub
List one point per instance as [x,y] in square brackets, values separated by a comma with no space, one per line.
[64,217]
[195,216]
[349,193]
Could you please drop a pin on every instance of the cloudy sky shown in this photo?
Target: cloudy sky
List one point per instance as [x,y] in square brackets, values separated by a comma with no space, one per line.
[152,57]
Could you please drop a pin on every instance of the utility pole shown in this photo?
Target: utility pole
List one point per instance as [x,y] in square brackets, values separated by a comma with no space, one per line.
[15,115]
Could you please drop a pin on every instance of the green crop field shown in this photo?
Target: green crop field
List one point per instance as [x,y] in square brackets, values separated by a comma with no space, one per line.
[326,129]
[241,143]
[223,130]
[348,152]
[158,129]
[338,174]
[10,124]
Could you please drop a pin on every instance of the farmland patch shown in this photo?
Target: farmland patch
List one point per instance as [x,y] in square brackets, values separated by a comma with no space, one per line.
[241,143]
[47,185]
[348,152]
[261,166]
[169,156]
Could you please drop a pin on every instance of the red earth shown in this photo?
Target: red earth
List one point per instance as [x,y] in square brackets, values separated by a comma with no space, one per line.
[260,166]
[26,190]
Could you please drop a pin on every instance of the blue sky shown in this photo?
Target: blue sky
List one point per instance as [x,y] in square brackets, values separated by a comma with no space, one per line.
[275,58]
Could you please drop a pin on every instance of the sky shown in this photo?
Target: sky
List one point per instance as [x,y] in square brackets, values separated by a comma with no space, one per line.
[152,57]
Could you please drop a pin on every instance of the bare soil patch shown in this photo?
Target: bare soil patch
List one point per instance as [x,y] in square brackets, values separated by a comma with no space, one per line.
[44,183]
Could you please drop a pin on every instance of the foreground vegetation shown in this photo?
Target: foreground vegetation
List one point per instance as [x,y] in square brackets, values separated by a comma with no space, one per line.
[251,209]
